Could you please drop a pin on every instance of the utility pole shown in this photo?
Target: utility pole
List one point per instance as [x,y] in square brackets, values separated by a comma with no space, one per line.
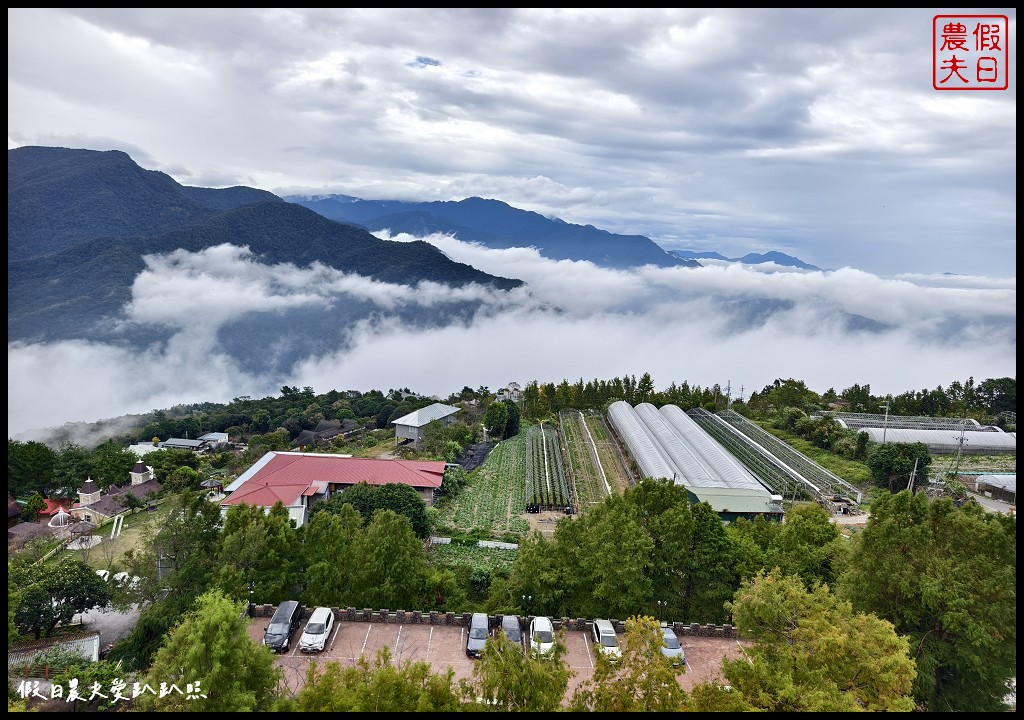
[885,426]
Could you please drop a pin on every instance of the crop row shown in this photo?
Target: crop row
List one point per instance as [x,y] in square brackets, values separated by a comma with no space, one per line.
[546,487]
[583,467]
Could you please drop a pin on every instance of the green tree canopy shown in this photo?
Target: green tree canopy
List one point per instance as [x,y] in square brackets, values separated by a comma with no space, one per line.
[946,578]
[368,499]
[380,686]
[210,652]
[643,680]
[52,594]
[495,419]
[30,467]
[393,570]
[508,680]
[892,465]
[812,653]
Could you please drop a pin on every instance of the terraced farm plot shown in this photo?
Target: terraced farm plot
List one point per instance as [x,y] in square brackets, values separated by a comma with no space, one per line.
[493,499]
[584,473]
[614,462]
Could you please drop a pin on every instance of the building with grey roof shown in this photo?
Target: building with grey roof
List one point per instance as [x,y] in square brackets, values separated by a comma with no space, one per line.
[410,427]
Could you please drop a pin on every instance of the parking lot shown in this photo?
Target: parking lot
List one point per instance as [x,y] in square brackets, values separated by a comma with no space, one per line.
[444,646]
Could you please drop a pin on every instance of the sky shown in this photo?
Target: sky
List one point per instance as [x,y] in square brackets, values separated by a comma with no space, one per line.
[816,133]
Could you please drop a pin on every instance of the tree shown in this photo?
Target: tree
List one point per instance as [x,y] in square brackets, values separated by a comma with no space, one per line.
[259,553]
[182,479]
[495,419]
[210,651]
[130,501]
[807,544]
[368,499]
[176,563]
[946,577]
[70,470]
[393,570]
[328,551]
[892,464]
[643,680]
[812,653]
[35,505]
[508,680]
[30,467]
[53,594]
[514,417]
[112,464]
[645,388]
[382,686]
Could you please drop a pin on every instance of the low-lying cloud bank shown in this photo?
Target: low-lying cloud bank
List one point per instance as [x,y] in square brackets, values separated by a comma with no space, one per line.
[742,326]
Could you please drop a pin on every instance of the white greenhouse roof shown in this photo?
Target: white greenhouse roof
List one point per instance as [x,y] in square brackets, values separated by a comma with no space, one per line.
[423,416]
[947,441]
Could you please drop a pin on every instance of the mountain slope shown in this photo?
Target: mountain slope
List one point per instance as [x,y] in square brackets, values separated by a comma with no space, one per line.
[496,224]
[749,259]
[81,222]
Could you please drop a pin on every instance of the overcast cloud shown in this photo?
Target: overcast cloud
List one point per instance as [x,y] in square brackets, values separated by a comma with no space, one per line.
[812,132]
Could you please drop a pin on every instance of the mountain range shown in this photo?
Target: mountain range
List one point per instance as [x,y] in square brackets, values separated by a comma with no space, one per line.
[88,229]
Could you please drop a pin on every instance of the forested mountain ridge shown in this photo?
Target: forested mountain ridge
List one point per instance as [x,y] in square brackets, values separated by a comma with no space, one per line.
[498,225]
[80,223]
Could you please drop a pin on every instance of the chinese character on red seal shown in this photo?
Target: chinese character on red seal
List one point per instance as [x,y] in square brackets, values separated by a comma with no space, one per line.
[970,52]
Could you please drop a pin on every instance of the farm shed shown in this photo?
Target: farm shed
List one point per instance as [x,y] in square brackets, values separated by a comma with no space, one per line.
[410,427]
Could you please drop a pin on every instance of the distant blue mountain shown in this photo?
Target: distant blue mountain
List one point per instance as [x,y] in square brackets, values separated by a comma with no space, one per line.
[748,259]
[497,225]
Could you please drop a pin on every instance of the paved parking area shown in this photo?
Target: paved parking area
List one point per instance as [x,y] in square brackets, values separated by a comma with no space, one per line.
[444,646]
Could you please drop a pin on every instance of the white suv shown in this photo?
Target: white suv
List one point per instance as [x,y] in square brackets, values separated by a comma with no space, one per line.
[542,636]
[318,629]
[605,639]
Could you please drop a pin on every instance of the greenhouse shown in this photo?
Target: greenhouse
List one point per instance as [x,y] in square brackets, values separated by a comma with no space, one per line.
[642,446]
[857,421]
[668,444]
[948,442]
[725,469]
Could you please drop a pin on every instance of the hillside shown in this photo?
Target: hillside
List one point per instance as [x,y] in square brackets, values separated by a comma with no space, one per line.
[496,224]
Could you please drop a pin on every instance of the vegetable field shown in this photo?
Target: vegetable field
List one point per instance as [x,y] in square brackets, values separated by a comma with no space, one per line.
[493,499]
[546,487]
[583,469]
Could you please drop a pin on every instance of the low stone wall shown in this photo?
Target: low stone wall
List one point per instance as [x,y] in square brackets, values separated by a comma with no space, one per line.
[434,617]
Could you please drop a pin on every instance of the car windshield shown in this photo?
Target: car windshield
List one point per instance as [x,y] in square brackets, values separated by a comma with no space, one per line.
[542,636]
[315,628]
[671,643]
[608,641]
[277,629]
[478,634]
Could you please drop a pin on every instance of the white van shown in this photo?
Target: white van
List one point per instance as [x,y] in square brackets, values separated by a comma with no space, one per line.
[605,639]
[542,636]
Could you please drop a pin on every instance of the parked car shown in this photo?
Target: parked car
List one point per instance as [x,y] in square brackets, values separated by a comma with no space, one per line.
[478,634]
[670,646]
[318,630]
[605,639]
[542,636]
[512,629]
[285,621]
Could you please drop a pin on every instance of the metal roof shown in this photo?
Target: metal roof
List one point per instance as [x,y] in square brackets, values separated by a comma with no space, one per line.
[423,416]
[735,499]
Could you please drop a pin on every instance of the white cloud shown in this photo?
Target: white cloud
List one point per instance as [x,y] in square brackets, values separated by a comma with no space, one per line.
[573,320]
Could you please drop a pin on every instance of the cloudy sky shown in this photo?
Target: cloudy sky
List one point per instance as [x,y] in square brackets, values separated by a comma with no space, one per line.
[812,132]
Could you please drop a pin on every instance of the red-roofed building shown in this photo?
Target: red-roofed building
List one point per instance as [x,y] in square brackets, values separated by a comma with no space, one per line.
[300,479]
[55,505]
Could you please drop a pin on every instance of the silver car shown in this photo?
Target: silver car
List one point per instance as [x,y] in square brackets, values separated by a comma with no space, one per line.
[671,648]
